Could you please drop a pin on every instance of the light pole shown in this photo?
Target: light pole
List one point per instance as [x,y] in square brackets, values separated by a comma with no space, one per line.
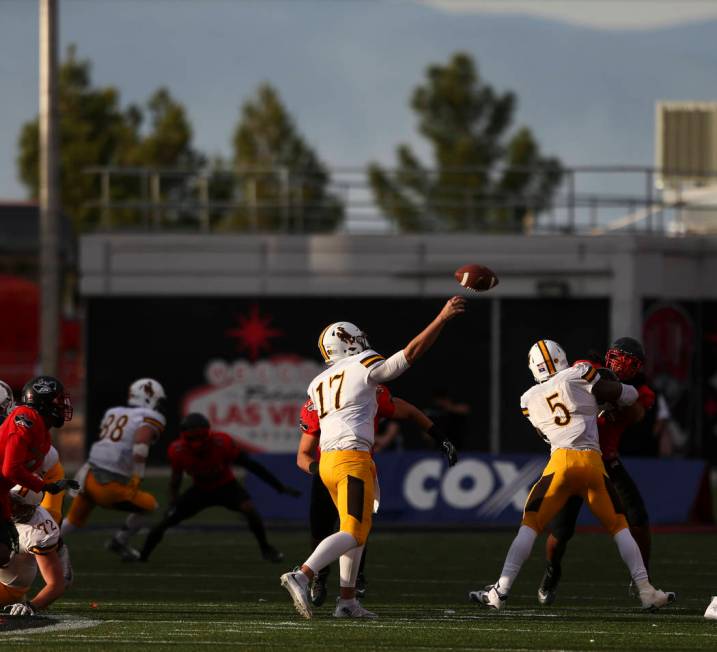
[49,195]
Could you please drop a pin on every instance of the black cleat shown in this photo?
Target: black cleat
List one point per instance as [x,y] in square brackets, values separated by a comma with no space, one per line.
[318,591]
[549,584]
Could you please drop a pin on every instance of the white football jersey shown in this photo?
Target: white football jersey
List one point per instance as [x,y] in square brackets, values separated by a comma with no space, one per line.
[564,409]
[345,399]
[113,451]
[39,536]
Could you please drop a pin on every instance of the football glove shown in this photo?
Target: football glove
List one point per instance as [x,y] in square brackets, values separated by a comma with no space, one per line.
[290,491]
[21,609]
[60,486]
[449,450]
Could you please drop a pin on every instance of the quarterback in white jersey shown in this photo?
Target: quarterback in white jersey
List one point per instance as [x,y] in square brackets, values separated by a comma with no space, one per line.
[115,468]
[345,397]
[563,407]
[39,545]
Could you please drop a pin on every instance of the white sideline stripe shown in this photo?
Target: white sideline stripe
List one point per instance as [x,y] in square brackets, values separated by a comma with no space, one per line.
[67,622]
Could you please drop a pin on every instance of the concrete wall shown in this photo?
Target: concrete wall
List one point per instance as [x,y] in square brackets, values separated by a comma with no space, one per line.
[625,268]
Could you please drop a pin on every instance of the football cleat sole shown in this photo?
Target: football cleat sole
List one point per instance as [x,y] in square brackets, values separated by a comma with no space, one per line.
[298,595]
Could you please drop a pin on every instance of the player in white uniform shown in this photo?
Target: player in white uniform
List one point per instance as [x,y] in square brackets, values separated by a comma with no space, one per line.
[116,465]
[39,550]
[563,407]
[345,397]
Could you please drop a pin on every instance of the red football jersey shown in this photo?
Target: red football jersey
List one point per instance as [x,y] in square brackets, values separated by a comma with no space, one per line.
[610,433]
[24,442]
[309,420]
[209,467]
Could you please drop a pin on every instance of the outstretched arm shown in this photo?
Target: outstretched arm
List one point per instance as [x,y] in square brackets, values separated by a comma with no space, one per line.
[409,412]
[394,366]
[426,338]
[50,568]
[260,471]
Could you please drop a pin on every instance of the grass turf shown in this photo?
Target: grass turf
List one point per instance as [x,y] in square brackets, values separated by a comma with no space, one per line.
[209,588]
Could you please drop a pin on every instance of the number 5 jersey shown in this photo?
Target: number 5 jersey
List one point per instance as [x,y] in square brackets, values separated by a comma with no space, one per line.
[564,410]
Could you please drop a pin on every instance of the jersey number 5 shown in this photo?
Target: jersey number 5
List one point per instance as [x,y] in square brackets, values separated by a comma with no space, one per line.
[560,420]
[338,379]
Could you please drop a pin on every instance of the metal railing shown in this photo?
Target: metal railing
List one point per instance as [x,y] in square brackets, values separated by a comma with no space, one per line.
[588,200]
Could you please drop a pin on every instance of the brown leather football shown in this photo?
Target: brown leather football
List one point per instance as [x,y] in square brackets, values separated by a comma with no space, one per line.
[476,277]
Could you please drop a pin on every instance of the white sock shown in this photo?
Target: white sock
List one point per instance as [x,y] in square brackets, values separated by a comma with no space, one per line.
[630,553]
[67,528]
[349,564]
[518,552]
[133,524]
[329,550]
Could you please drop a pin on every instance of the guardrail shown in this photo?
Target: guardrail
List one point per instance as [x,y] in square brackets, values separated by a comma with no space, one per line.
[589,199]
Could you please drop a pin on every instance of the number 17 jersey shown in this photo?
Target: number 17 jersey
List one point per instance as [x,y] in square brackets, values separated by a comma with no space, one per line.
[564,409]
[113,450]
[345,398]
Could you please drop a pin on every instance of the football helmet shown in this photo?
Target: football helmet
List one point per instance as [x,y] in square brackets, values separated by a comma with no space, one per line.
[625,357]
[340,340]
[545,359]
[24,503]
[48,397]
[146,392]
[7,402]
[194,430]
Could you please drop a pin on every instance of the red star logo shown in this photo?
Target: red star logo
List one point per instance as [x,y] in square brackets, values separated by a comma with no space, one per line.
[254,333]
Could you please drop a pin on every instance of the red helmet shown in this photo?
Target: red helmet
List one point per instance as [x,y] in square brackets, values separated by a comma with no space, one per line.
[625,357]
[194,430]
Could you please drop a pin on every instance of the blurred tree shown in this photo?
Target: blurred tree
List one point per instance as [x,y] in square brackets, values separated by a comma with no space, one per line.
[282,182]
[94,131]
[477,180]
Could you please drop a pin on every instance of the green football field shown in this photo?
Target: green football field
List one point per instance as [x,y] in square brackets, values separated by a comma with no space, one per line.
[207,587]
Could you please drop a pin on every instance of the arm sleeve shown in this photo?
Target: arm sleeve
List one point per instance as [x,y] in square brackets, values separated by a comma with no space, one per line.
[587,374]
[381,371]
[259,470]
[13,468]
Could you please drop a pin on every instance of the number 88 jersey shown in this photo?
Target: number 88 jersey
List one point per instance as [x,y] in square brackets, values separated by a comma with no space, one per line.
[564,409]
[344,395]
[113,450]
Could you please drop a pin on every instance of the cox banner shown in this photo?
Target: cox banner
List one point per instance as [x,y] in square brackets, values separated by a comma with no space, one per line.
[418,488]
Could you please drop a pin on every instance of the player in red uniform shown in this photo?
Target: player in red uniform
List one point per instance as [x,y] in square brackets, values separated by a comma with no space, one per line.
[207,457]
[323,514]
[624,359]
[24,442]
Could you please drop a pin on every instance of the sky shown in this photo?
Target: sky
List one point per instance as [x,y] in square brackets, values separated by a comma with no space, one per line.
[587,73]
[600,14]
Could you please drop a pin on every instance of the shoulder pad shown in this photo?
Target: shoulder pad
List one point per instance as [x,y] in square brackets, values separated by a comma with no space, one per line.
[369,358]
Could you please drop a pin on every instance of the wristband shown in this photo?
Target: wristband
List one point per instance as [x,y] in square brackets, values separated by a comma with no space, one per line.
[314,467]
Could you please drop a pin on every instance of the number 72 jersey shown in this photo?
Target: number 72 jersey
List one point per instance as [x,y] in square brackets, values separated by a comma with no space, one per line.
[113,450]
[345,397]
[564,409]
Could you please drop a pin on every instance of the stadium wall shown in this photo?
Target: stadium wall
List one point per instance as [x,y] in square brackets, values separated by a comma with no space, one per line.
[186,307]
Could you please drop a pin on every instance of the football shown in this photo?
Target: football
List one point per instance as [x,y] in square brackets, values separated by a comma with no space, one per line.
[476,277]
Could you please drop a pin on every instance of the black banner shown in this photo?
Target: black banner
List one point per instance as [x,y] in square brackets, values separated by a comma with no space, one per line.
[246,362]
